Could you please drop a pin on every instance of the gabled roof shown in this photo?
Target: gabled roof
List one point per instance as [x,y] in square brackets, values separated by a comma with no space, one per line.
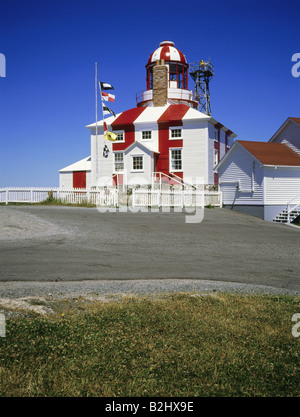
[171,113]
[295,120]
[140,145]
[266,153]
[82,165]
[271,153]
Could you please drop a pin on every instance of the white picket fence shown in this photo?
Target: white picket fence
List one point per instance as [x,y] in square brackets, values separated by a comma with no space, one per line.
[176,198]
[109,196]
[25,195]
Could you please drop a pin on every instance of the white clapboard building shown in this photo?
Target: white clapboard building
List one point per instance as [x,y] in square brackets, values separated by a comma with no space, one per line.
[163,136]
[263,178]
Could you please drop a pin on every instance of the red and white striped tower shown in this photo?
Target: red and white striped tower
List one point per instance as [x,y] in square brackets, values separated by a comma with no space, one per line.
[166,77]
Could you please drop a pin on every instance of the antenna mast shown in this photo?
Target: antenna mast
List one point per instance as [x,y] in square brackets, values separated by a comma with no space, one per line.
[202,72]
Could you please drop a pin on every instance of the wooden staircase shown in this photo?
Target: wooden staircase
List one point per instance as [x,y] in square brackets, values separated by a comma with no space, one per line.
[287,217]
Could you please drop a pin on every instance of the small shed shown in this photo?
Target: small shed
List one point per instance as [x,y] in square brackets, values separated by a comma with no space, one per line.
[76,175]
[260,178]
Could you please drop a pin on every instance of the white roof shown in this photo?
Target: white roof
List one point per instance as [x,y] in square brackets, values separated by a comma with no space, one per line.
[82,165]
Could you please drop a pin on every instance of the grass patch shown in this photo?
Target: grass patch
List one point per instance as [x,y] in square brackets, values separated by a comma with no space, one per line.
[180,345]
[52,202]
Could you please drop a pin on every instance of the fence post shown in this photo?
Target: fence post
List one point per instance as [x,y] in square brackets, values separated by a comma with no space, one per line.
[6,196]
[31,195]
[133,197]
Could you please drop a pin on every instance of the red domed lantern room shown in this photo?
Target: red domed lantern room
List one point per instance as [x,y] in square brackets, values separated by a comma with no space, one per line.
[166,78]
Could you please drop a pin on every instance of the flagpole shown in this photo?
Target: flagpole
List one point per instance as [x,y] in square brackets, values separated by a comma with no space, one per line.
[101,108]
[96,97]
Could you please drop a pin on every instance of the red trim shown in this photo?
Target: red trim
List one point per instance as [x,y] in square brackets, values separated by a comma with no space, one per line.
[174,114]
[171,117]
[126,122]
[216,179]
[127,118]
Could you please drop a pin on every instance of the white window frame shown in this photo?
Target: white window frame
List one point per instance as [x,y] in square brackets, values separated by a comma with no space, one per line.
[216,157]
[145,139]
[137,156]
[114,162]
[118,132]
[170,158]
[175,128]
[216,134]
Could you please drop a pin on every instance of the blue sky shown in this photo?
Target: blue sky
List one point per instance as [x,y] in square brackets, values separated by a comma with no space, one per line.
[47,97]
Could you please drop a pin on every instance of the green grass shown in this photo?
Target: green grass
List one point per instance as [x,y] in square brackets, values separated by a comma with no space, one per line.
[181,345]
[52,202]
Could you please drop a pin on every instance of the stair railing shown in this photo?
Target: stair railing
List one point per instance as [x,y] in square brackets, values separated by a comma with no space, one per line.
[295,206]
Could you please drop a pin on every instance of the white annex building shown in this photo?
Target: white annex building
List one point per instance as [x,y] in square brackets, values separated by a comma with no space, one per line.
[164,136]
[263,178]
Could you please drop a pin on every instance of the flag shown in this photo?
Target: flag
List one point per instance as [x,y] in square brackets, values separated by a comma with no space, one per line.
[105,151]
[110,136]
[108,97]
[105,86]
[106,110]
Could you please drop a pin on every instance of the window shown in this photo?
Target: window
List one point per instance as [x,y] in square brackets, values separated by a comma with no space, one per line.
[216,135]
[175,133]
[178,73]
[120,136]
[119,161]
[216,157]
[146,134]
[137,163]
[176,161]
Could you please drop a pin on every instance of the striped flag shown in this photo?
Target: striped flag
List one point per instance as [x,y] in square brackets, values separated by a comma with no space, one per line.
[107,96]
[105,86]
[106,110]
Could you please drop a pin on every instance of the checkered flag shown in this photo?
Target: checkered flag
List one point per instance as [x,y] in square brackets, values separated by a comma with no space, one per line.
[105,151]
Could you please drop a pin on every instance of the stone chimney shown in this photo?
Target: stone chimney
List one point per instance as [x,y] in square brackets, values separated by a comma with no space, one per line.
[160,83]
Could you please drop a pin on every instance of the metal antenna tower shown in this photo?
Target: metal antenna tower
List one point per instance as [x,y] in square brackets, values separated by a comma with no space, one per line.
[202,72]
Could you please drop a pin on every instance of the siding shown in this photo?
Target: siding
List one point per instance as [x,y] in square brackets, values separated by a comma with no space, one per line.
[210,153]
[134,177]
[105,165]
[281,184]
[194,153]
[153,142]
[238,167]
[291,133]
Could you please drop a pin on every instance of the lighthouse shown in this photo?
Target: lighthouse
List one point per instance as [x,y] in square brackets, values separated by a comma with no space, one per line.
[166,78]
[164,136]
